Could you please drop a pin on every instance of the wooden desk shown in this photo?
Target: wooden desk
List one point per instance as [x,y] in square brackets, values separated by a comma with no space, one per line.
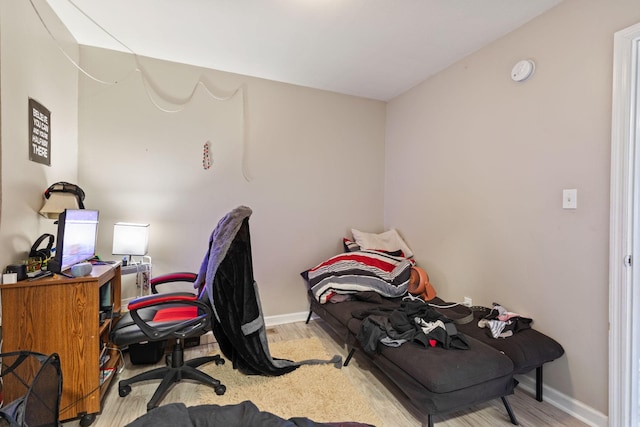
[62,315]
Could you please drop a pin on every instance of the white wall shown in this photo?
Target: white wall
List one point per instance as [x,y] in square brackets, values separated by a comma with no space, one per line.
[315,159]
[487,160]
[475,167]
[32,66]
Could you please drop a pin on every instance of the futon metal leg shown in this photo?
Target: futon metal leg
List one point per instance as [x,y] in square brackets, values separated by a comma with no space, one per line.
[539,383]
[309,316]
[429,421]
[507,406]
[349,356]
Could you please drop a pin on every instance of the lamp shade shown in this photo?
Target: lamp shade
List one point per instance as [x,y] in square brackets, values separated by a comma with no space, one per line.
[57,203]
[60,196]
[130,239]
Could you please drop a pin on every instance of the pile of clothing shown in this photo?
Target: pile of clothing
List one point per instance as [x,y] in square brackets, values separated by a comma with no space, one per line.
[413,321]
[501,323]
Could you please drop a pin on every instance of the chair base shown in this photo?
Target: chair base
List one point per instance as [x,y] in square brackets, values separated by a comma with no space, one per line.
[176,372]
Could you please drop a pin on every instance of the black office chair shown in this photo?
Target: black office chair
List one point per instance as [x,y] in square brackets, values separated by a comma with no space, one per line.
[160,317]
[32,382]
[228,304]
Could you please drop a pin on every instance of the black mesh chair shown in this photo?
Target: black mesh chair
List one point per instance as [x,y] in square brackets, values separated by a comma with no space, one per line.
[32,385]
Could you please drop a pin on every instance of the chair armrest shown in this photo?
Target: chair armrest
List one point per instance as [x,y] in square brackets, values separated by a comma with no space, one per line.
[172,278]
[180,328]
[158,299]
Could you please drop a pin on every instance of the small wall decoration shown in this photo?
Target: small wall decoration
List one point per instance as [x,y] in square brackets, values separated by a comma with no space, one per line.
[206,156]
[39,133]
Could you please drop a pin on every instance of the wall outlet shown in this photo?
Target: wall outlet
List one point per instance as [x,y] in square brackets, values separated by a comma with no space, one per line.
[468,302]
[570,199]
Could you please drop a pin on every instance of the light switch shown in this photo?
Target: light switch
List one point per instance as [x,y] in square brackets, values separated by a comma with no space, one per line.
[570,199]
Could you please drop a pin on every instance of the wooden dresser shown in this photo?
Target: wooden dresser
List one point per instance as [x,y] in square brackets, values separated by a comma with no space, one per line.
[62,315]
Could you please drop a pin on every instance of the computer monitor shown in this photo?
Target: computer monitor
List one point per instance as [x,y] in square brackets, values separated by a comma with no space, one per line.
[76,239]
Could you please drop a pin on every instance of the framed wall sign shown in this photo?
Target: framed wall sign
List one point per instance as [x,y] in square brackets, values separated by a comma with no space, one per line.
[39,133]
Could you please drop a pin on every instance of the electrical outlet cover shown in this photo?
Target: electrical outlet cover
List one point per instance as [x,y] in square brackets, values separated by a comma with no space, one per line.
[570,199]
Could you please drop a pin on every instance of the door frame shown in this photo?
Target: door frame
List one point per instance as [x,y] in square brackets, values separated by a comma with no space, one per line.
[623,352]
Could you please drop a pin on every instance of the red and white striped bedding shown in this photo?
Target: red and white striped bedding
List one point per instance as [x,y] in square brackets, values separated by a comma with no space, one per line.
[365,270]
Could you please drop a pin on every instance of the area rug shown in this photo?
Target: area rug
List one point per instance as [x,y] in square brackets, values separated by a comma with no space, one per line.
[321,393]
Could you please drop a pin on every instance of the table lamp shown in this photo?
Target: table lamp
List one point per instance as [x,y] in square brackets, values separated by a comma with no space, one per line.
[130,239]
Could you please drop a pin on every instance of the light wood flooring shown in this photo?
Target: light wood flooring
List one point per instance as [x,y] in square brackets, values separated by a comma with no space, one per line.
[384,398]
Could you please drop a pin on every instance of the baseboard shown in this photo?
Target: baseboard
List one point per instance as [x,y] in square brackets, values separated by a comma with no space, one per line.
[283,319]
[573,407]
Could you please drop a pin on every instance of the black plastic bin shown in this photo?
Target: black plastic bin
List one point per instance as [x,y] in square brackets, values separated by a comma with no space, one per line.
[147,353]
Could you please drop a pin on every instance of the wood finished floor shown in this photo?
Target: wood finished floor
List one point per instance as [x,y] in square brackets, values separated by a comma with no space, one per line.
[384,398]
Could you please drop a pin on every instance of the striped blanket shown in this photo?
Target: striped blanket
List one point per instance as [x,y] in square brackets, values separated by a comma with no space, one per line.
[358,271]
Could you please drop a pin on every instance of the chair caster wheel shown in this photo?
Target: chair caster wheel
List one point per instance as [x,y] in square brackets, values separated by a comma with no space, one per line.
[87,419]
[220,361]
[124,390]
[220,390]
[168,359]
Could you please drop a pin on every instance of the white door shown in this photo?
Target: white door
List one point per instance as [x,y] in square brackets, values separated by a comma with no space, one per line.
[624,260]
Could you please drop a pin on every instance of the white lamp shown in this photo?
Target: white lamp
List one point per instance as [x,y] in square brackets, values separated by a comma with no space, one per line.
[130,239]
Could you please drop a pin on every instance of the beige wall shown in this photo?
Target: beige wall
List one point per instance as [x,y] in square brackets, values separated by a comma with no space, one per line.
[32,66]
[475,168]
[315,161]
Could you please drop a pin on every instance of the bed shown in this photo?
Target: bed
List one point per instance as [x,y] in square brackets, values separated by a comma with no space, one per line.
[375,274]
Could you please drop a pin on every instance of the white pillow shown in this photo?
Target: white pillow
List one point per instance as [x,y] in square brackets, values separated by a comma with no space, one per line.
[388,241]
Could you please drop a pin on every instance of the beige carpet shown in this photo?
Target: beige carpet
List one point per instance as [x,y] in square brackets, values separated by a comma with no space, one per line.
[319,392]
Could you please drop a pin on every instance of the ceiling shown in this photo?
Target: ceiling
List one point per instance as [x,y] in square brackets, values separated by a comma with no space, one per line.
[370,48]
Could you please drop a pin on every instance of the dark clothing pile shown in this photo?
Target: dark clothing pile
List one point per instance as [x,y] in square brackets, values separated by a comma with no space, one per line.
[244,414]
[238,325]
[412,321]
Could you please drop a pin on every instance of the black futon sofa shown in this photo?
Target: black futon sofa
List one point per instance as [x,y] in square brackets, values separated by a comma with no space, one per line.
[436,380]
